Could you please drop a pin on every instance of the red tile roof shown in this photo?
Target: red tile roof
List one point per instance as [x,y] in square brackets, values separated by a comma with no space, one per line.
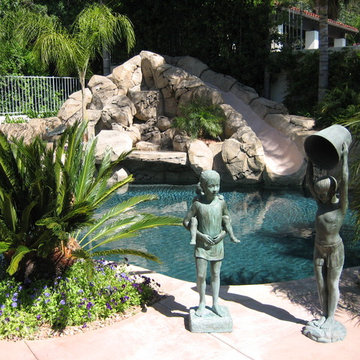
[311,15]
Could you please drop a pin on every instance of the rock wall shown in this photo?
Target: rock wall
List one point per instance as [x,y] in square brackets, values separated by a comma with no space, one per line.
[134,107]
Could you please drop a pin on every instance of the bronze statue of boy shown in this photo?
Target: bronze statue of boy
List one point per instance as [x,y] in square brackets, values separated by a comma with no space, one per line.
[208,222]
[329,248]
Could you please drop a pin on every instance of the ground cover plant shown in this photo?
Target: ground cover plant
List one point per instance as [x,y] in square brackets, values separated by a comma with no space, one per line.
[69,300]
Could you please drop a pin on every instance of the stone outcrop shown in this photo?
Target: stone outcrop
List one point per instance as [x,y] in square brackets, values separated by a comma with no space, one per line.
[29,131]
[134,107]
[200,156]
[116,141]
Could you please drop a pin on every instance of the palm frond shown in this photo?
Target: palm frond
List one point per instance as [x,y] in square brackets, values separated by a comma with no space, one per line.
[147,221]
[4,246]
[106,230]
[113,188]
[140,253]
[20,252]
[117,210]
[85,177]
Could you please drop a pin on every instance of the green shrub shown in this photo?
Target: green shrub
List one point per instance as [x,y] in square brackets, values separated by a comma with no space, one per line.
[339,104]
[201,119]
[69,300]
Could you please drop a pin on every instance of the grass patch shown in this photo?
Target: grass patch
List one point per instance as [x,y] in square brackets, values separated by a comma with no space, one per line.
[69,300]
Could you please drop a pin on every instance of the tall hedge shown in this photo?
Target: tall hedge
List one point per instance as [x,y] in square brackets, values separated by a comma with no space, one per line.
[231,36]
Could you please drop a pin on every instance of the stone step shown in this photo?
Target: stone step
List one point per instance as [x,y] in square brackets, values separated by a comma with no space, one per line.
[171,157]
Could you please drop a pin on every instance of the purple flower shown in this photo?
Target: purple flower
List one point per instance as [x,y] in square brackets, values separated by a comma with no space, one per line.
[14,304]
[124,299]
[7,319]
[85,325]
[38,317]
[47,294]
[1,312]
[20,287]
[7,295]
[62,302]
[89,305]
[2,306]
[108,306]
[46,301]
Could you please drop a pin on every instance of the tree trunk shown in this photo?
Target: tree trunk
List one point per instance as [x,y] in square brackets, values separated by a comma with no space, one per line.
[323,50]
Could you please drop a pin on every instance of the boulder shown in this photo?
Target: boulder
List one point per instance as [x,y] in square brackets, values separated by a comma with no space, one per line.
[146,103]
[149,62]
[119,175]
[147,146]
[167,138]
[245,93]
[30,130]
[151,134]
[71,110]
[185,88]
[205,92]
[163,123]
[170,105]
[102,89]
[78,96]
[119,109]
[218,162]
[263,107]
[200,156]
[114,141]
[180,142]
[127,76]
[221,81]
[191,65]
[243,156]
[234,120]
[132,131]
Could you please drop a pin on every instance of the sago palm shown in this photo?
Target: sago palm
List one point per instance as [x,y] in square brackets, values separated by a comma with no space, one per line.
[47,195]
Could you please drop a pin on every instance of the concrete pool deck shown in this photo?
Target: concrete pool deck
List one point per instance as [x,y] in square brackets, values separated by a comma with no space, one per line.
[267,323]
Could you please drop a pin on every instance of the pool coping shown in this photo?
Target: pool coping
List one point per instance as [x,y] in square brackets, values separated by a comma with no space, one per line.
[267,323]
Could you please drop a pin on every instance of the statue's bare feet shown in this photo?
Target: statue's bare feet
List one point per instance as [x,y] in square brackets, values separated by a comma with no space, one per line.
[317,322]
[200,310]
[234,240]
[193,242]
[328,323]
[217,310]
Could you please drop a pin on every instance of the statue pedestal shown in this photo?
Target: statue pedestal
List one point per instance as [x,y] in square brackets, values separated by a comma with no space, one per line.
[336,333]
[210,322]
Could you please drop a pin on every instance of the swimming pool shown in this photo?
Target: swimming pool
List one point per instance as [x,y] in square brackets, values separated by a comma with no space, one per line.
[275,229]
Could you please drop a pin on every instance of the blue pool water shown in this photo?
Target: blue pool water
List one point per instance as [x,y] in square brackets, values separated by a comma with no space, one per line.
[275,229]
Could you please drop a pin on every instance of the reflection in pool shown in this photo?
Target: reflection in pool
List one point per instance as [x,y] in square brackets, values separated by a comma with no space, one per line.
[275,229]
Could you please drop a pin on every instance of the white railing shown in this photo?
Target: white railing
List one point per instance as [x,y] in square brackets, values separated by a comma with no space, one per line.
[34,94]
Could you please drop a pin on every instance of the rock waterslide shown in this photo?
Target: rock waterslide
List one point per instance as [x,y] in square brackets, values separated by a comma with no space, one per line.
[133,107]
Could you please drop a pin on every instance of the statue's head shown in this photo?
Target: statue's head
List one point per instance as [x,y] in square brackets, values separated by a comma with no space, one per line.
[325,188]
[210,182]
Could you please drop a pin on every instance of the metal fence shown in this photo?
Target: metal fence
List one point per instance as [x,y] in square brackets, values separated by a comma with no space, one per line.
[34,94]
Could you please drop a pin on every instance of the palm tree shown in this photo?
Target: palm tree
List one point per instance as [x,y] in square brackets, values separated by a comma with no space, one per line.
[95,29]
[326,9]
[47,195]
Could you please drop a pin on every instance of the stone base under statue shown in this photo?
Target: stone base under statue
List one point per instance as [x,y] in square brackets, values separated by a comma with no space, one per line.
[210,322]
[336,333]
